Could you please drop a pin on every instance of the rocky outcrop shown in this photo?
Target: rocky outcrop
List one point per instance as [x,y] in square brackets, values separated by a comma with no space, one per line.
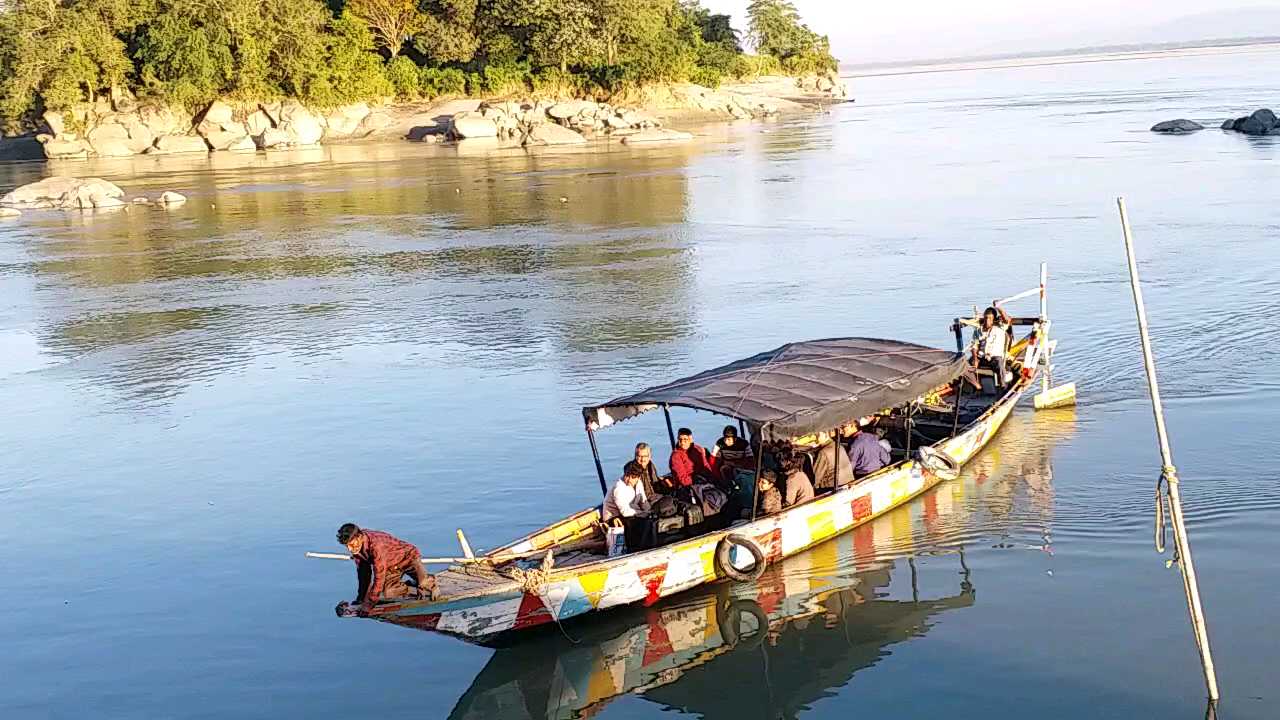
[1177,127]
[66,192]
[1259,122]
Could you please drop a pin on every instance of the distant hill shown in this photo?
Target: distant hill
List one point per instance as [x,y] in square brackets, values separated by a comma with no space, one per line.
[1230,23]
[1233,26]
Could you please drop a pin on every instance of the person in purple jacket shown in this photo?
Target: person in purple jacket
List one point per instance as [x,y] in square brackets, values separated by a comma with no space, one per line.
[866,454]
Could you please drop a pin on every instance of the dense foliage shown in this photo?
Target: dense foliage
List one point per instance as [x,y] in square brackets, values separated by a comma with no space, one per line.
[54,53]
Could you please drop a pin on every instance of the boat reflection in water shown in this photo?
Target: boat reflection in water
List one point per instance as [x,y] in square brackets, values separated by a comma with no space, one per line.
[807,625]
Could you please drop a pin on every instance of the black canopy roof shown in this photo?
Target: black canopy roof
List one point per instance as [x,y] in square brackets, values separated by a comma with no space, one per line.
[801,387]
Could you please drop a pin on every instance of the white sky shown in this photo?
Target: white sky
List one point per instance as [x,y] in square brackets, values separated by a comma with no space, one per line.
[863,31]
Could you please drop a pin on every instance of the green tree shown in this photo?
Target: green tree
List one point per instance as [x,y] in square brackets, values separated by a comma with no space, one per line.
[448,32]
[774,28]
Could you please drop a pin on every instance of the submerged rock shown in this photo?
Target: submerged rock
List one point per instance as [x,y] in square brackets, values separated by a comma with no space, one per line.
[657,135]
[169,197]
[66,192]
[1259,122]
[168,144]
[1177,127]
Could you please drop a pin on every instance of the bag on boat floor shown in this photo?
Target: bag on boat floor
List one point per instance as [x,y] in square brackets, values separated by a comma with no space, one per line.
[616,541]
[711,499]
[666,506]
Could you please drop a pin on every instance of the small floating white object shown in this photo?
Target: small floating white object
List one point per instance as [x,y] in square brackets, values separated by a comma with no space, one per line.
[169,197]
[140,201]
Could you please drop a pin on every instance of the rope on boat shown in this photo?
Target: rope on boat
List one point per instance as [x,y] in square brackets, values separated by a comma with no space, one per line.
[534,580]
[1168,477]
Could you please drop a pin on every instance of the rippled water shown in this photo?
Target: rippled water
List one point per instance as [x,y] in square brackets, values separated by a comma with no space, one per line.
[402,336]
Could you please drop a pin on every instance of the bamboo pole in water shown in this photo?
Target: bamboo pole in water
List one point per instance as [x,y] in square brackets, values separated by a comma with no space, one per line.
[1182,544]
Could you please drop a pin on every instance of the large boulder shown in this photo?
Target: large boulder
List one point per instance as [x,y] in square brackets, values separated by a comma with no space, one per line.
[112,147]
[375,121]
[257,122]
[63,148]
[1176,127]
[1253,126]
[107,131]
[567,109]
[552,134]
[219,113]
[66,192]
[244,144]
[304,127]
[56,121]
[220,140]
[344,121]
[169,144]
[161,120]
[273,138]
[466,125]
[657,135]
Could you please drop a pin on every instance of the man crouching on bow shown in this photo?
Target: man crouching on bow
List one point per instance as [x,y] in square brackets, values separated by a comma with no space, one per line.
[382,562]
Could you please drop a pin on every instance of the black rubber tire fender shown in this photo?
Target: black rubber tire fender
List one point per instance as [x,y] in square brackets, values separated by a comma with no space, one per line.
[731,623]
[725,567]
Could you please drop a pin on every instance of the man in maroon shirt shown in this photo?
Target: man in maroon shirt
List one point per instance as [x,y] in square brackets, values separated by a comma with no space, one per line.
[382,561]
[689,460]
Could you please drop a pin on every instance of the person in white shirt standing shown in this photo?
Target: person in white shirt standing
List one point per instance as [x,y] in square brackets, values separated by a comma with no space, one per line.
[991,343]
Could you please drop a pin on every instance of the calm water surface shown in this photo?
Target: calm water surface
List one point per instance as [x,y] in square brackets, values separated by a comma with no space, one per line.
[402,336]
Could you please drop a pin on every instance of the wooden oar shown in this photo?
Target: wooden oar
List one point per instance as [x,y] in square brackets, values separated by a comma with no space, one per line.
[425,560]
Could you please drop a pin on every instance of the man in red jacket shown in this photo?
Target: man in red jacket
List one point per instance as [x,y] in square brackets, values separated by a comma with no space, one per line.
[689,461]
[382,561]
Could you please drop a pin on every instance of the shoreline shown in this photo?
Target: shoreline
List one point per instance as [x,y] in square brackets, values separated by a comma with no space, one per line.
[127,128]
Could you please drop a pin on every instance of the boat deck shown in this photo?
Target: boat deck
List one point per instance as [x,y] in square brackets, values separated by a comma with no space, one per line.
[474,578]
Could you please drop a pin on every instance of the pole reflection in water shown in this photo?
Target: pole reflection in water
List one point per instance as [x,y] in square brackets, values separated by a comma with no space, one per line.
[770,648]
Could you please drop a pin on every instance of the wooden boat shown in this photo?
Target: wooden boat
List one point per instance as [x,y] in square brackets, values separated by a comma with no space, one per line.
[792,393]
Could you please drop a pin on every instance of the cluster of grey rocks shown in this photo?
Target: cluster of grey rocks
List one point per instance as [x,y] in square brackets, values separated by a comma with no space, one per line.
[565,122]
[72,193]
[1259,122]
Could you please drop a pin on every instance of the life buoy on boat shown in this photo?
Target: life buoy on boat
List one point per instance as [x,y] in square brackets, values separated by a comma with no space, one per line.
[731,630]
[724,559]
[938,462]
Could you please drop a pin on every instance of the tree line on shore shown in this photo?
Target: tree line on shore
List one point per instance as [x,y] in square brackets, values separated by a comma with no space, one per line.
[56,53]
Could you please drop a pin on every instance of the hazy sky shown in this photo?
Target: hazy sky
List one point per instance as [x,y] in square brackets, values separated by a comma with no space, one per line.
[873,31]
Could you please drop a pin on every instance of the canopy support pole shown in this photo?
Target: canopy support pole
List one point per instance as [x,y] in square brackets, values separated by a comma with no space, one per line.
[909,409]
[666,412]
[755,484]
[955,417]
[959,336]
[595,454]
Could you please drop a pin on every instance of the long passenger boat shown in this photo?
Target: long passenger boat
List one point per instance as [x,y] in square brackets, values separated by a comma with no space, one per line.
[939,412]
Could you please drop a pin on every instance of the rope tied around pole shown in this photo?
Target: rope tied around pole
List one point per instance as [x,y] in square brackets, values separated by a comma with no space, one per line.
[1168,477]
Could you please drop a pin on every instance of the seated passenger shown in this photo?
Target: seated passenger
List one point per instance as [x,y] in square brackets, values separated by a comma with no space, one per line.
[830,470]
[627,499]
[991,343]
[653,484]
[689,461]
[866,454]
[799,488]
[730,445]
[768,497]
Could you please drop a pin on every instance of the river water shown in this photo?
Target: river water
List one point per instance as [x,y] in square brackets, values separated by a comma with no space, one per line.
[402,335]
